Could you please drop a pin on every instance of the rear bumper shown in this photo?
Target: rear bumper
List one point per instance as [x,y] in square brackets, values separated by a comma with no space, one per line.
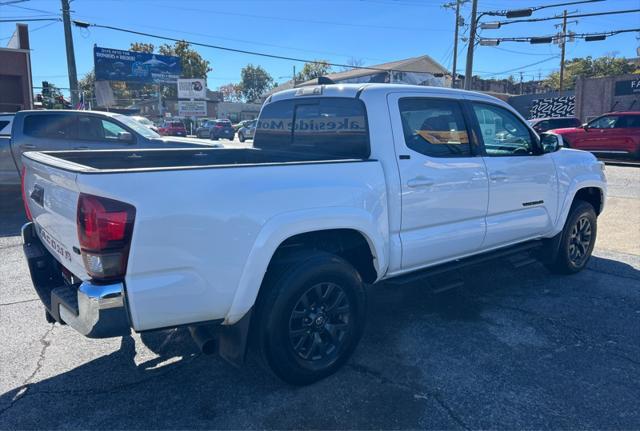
[94,310]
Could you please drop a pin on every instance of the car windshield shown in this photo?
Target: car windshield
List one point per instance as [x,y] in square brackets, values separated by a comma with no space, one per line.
[136,126]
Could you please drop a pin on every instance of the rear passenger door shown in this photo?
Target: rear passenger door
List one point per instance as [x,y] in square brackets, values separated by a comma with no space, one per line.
[44,132]
[523,189]
[444,181]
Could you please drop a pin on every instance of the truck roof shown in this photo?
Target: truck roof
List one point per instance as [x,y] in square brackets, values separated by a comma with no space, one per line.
[352,90]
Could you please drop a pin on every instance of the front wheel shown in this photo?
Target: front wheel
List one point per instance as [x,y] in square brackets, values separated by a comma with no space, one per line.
[577,239]
[240,137]
[310,317]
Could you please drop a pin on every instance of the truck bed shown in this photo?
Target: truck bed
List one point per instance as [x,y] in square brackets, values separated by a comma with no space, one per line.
[102,161]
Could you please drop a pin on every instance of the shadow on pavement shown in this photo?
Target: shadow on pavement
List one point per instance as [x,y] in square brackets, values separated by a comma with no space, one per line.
[485,347]
[12,215]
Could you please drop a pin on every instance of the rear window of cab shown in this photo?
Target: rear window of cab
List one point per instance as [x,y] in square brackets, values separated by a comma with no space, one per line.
[319,128]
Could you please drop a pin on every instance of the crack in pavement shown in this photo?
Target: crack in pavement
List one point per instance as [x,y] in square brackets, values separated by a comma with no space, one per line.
[596,340]
[20,302]
[419,391]
[24,388]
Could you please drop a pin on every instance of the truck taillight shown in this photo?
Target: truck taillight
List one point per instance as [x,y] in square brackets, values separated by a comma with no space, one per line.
[105,227]
[24,194]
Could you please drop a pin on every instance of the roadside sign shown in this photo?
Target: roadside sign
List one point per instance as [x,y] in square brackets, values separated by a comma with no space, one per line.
[192,108]
[192,89]
[118,65]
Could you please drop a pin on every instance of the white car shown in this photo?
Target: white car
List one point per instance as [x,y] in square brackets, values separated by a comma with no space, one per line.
[145,122]
[345,185]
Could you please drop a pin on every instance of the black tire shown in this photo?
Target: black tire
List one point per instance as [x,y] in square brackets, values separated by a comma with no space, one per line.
[577,239]
[310,316]
[240,137]
[213,137]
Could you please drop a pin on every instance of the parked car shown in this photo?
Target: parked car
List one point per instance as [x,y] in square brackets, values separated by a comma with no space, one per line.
[612,134]
[240,124]
[541,125]
[76,130]
[172,128]
[145,122]
[344,186]
[247,131]
[216,129]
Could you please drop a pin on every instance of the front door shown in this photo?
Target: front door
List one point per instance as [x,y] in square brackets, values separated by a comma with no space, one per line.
[444,182]
[523,188]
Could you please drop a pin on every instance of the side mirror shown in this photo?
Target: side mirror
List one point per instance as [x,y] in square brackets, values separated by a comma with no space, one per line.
[585,126]
[125,136]
[550,142]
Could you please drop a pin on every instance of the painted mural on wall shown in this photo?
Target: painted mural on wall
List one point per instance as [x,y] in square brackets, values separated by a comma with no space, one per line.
[564,106]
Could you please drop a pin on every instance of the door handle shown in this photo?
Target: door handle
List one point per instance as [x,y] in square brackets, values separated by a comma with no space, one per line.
[499,176]
[420,182]
[28,146]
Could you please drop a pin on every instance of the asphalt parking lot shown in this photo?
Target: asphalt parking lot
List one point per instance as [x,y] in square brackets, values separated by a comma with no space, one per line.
[511,349]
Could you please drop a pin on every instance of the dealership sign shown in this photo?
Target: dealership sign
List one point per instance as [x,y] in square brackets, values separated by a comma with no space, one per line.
[192,108]
[192,89]
[629,87]
[117,65]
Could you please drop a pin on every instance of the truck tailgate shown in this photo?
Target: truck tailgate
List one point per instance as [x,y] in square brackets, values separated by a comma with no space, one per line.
[52,196]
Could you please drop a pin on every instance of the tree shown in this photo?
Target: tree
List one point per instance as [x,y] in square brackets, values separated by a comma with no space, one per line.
[353,63]
[193,65]
[313,70]
[231,92]
[142,47]
[254,82]
[589,68]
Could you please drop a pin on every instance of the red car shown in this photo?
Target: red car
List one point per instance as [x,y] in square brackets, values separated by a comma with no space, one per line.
[172,128]
[616,133]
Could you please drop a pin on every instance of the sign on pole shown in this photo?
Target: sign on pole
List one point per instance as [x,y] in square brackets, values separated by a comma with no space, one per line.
[118,65]
[192,89]
[192,108]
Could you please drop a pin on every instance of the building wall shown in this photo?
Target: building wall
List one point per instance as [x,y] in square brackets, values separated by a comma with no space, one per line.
[550,104]
[15,80]
[596,96]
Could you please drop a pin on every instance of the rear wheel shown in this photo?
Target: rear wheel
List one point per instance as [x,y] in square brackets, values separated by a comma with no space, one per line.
[241,137]
[577,239]
[213,137]
[310,317]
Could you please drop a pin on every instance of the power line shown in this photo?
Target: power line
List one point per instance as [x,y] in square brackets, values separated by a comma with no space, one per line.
[536,8]
[549,39]
[549,18]
[33,29]
[30,20]
[224,48]
[523,67]
[307,21]
[518,52]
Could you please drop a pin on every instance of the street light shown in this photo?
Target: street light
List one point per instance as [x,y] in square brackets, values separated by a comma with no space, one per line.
[489,42]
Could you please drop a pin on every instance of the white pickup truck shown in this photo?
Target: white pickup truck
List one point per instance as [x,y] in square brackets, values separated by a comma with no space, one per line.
[271,246]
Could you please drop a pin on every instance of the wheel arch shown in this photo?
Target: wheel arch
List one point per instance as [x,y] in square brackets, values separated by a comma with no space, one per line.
[343,230]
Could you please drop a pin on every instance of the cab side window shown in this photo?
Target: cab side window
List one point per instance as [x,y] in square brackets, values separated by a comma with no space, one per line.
[434,127]
[503,133]
[50,126]
[606,122]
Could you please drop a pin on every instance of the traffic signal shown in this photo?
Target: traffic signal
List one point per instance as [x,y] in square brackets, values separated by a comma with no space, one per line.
[45,88]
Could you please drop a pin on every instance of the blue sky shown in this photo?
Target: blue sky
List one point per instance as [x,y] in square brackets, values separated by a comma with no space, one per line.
[374,31]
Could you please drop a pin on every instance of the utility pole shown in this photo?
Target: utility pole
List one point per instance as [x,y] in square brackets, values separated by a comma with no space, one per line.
[455,45]
[294,76]
[563,42]
[71,58]
[468,74]
[521,77]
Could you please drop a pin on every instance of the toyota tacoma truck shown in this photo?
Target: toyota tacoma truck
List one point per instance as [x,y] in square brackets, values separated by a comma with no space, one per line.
[268,249]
